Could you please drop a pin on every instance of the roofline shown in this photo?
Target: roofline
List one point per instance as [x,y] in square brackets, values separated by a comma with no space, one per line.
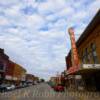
[95,21]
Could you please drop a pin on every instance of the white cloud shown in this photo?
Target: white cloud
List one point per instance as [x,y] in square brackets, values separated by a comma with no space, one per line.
[3,21]
[35,21]
[6,2]
[39,40]
[13,10]
[51,6]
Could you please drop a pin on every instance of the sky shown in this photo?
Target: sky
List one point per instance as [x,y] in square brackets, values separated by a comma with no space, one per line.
[34,32]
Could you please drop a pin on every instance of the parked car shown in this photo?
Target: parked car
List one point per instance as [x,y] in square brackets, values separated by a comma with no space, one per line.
[21,86]
[3,87]
[10,87]
[18,86]
[25,85]
[33,83]
[59,88]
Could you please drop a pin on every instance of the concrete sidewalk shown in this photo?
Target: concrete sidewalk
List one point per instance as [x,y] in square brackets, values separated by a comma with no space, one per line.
[84,95]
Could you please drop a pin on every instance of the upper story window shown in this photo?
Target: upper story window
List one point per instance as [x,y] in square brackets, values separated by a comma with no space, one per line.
[1,66]
[83,59]
[88,55]
[94,53]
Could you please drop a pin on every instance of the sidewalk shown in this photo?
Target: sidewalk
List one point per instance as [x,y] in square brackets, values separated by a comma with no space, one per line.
[84,95]
[89,96]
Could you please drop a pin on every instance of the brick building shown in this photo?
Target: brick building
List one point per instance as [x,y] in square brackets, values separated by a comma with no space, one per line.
[14,73]
[4,59]
[9,71]
[30,78]
[19,73]
[88,45]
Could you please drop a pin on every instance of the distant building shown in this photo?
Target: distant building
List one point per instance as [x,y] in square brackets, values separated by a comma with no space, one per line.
[15,73]
[54,80]
[4,59]
[19,73]
[30,78]
[9,71]
[88,45]
[36,78]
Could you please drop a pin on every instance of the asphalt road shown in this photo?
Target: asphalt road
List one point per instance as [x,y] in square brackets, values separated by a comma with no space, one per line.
[37,92]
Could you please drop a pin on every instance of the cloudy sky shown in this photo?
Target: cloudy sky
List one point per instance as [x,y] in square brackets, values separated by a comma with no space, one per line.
[34,32]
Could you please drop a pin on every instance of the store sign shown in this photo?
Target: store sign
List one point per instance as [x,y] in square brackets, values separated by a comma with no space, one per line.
[75,59]
[70,76]
[8,77]
[97,66]
[78,77]
[15,78]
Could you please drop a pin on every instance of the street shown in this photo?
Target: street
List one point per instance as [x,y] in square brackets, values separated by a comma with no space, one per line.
[37,92]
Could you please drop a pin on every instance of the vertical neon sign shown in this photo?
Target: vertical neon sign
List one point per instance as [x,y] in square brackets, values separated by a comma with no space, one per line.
[74,53]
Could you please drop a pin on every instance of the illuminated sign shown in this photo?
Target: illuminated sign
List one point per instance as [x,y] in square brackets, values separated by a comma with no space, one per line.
[74,54]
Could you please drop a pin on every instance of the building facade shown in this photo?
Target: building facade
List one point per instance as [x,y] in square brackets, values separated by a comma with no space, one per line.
[14,73]
[4,59]
[19,74]
[9,72]
[30,78]
[87,76]
[54,81]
